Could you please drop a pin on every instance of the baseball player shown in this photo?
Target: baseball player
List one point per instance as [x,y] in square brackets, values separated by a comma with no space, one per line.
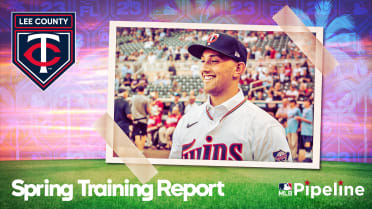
[227,126]
[140,110]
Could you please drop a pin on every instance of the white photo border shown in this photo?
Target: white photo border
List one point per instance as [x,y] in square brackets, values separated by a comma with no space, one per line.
[204,26]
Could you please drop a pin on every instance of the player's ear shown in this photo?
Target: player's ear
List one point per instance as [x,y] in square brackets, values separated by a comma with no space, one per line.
[239,70]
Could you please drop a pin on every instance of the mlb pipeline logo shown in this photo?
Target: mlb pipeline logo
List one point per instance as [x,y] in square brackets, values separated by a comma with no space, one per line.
[337,189]
[43,44]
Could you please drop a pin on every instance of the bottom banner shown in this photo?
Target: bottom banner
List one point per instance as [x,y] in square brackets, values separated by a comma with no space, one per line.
[95,184]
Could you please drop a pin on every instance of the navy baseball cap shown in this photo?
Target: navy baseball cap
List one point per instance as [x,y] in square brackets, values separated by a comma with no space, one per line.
[222,43]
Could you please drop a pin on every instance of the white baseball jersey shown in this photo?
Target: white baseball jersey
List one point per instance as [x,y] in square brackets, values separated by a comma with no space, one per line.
[234,130]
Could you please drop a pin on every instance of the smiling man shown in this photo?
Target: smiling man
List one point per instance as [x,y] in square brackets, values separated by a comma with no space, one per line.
[226,126]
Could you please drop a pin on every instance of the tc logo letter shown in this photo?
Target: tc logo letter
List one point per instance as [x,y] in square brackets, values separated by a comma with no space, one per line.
[43,45]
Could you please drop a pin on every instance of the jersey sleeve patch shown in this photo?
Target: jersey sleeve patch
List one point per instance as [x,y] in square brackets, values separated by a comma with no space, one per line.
[281,156]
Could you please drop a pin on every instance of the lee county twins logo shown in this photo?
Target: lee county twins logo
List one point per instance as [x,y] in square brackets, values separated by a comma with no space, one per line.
[289,189]
[43,44]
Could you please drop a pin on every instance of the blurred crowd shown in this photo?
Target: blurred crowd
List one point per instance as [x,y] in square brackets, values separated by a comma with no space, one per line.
[260,45]
[159,117]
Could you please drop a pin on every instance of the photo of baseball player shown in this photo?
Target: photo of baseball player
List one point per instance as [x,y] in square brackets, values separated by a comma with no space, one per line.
[227,126]
[217,95]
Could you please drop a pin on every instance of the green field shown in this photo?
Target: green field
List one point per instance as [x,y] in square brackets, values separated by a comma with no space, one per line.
[244,187]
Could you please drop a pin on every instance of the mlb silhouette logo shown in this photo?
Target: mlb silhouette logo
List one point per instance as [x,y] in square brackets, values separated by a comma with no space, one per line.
[285,186]
[43,45]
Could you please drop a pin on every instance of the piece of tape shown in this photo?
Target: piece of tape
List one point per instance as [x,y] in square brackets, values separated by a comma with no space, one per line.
[125,149]
[305,40]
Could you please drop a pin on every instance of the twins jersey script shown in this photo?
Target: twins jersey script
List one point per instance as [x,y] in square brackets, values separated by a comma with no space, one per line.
[234,130]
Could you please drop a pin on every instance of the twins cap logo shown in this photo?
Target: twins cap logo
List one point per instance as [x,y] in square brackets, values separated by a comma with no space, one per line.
[43,44]
[212,38]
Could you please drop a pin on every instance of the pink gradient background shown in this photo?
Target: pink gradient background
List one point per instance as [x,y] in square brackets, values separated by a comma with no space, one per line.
[57,123]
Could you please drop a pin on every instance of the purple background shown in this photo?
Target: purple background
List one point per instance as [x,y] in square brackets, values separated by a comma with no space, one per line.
[57,123]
